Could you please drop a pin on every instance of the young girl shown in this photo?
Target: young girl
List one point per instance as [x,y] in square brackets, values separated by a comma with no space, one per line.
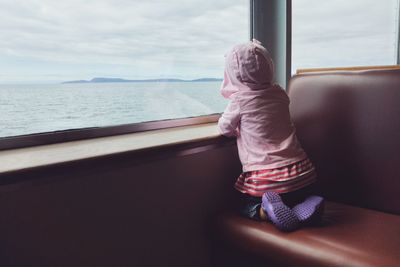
[277,179]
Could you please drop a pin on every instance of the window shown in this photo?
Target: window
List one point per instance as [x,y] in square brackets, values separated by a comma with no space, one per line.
[338,33]
[80,64]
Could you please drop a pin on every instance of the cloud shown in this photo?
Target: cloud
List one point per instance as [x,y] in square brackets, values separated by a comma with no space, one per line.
[131,39]
[47,40]
[344,33]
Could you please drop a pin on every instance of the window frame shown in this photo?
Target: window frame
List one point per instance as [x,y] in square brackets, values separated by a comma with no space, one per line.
[264,25]
[272,25]
[47,138]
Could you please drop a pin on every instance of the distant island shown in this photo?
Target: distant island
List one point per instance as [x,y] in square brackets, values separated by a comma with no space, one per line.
[119,80]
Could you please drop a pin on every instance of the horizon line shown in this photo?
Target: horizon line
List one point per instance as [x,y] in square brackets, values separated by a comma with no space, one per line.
[88,81]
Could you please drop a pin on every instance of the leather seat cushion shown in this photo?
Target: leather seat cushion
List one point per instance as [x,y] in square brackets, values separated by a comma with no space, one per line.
[347,236]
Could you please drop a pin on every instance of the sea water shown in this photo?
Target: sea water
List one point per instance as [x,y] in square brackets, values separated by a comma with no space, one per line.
[38,108]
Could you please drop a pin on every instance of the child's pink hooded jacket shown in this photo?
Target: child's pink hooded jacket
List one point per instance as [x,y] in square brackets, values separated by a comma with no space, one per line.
[258,112]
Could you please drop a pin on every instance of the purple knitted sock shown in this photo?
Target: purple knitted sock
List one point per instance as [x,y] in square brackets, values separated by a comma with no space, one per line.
[310,210]
[278,213]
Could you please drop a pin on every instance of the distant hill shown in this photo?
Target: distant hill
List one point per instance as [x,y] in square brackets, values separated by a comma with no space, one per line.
[207,80]
[119,80]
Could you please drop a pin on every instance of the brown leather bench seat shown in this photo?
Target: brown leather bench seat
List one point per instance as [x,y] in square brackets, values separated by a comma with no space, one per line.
[348,236]
[349,125]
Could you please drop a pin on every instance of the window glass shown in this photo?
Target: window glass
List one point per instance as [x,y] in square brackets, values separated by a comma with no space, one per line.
[92,63]
[340,33]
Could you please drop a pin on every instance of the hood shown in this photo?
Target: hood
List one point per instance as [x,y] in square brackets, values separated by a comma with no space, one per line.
[247,67]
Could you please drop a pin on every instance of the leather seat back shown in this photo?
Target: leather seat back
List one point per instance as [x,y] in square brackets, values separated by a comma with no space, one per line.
[349,125]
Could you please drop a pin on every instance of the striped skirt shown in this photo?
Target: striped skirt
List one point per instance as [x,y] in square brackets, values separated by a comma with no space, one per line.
[281,180]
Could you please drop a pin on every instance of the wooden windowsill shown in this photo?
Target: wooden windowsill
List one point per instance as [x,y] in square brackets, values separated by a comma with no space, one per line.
[32,157]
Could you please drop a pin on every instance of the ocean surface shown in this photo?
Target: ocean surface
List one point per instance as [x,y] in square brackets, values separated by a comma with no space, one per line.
[38,108]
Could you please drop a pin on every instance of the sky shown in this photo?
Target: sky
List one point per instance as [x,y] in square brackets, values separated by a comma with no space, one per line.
[46,41]
[49,40]
[335,33]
